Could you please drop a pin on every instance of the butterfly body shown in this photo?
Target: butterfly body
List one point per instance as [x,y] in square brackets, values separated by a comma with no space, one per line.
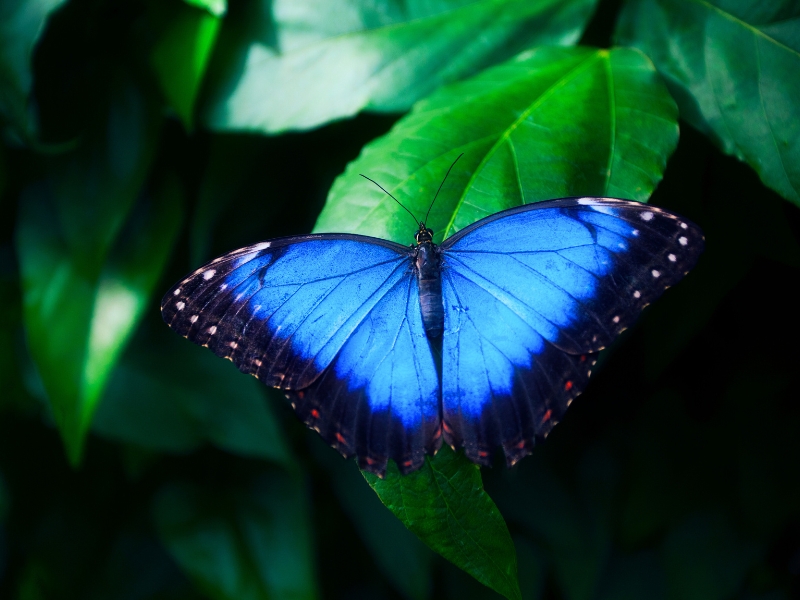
[513,309]
[428,268]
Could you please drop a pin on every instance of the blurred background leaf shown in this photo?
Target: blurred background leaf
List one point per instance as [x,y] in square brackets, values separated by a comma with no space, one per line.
[596,122]
[200,400]
[21,24]
[296,64]
[732,66]
[181,54]
[88,263]
[215,7]
[241,545]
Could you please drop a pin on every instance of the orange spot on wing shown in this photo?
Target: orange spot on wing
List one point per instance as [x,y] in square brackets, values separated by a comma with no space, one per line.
[300,394]
[521,445]
[446,428]
[315,413]
[483,453]
[547,416]
[408,463]
[568,386]
[340,438]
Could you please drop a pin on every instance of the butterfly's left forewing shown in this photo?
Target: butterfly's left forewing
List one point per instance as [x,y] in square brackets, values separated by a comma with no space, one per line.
[334,321]
[531,295]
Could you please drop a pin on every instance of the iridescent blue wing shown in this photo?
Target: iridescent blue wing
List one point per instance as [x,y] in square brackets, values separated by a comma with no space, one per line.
[530,295]
[334,320]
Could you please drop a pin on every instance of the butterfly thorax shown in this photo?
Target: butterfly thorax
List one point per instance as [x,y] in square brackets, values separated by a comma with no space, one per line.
[428,267]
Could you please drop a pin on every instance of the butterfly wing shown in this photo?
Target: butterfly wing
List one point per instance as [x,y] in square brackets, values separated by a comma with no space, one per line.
[531,295]
[333,320]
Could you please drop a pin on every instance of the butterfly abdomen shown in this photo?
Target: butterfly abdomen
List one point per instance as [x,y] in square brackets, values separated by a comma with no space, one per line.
[428,264]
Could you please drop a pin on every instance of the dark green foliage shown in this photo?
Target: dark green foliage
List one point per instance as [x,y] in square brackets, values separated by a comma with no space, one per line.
[135,465]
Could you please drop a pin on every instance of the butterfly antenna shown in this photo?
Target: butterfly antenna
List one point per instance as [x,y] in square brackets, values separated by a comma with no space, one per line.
[390,196]
[440,186]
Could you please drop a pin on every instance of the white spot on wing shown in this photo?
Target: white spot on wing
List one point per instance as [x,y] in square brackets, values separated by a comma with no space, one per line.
[684,226]
[193,319]
[176,292]
[615,319]
[683,241]
[262,246]
[637,294]
[656,273]
[586,201]
[647,216]
[257,362]
[180,305]
[634,232]
[212,330]
[223,287]
[233,345]
[209,274]
[671,257]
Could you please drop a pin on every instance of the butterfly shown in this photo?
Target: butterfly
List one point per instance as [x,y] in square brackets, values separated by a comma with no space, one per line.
[481,342]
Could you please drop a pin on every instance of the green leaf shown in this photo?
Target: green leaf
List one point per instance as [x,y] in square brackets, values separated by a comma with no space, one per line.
[21,24]
[199,398]
[86,281]
[296,64]
[445,505]
[181,55]
[732,65]
[241,545]
[215,7]
[552,122]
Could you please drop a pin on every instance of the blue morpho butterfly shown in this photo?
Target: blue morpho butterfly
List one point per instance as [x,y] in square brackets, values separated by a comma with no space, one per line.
[482,341]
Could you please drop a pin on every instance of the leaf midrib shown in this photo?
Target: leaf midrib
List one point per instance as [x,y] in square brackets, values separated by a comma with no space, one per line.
[434,472]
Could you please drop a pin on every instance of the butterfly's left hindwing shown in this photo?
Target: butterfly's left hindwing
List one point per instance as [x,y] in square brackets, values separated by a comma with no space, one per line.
[530,295]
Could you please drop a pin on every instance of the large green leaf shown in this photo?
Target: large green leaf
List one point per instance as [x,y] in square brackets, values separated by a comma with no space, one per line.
[88,264]
[199,398]
[445,505]
[733,67]
[552,122]
[21,24]
[252,544]
[181,54]
[295,64]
